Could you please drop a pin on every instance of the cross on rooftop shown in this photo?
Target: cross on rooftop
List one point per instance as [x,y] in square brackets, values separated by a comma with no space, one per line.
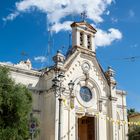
[83,15]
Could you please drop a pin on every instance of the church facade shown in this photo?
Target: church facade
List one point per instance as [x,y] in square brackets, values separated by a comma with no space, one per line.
[75,99]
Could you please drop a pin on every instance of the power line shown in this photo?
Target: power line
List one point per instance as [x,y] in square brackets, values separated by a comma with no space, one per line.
[132,58]
[127,59]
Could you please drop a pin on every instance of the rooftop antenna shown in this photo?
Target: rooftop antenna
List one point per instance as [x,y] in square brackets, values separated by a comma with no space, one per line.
[50,43]
[48,48]
[69,47]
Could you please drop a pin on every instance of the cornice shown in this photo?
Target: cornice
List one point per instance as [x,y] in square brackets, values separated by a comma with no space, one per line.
[122,106]
[23,71]
[88,26]
[113,98]
[84,50]
[121,92]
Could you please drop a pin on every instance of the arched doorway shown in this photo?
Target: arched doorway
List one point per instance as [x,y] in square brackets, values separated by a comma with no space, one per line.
[86,128]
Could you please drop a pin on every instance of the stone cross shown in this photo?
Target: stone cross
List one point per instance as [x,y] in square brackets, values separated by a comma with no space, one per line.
[83,15]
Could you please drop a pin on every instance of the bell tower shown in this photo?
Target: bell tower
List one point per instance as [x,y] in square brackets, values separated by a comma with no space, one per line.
[83,35]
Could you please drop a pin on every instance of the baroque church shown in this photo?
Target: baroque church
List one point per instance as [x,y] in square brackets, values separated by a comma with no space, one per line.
[75,99]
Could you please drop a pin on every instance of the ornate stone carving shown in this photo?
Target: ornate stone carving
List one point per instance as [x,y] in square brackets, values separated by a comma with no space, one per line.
[85,67]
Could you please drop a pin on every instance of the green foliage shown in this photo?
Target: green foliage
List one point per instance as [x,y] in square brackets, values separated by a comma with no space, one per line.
[15,106]
[131,111]
[134,134]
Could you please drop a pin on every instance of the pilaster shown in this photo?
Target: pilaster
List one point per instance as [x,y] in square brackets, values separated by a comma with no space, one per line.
[112,103]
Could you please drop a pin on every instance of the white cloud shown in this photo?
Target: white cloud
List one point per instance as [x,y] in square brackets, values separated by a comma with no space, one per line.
[7,63]
[131,13]
[40,59]
[57,10]
[108,12]
[11,16]
[104,38]
[61,26]
[114,20]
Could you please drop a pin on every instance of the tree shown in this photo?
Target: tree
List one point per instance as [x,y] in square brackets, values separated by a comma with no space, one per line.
[131,111]
[134,130]
[15,106]
[134,134]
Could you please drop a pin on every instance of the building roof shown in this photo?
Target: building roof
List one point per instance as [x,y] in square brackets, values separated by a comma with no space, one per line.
[78,24]
[134,115]
[21,69]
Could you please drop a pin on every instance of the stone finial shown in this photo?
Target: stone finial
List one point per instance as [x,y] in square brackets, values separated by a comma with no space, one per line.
[25,64]
[28,63]
[59,59]
[110,74]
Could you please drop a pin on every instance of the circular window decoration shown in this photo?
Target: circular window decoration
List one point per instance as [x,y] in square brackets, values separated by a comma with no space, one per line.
[85,94]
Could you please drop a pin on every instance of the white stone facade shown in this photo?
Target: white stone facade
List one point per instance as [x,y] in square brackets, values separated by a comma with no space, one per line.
[105,103]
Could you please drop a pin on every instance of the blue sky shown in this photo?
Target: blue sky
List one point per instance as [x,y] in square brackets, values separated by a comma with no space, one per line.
[24,27]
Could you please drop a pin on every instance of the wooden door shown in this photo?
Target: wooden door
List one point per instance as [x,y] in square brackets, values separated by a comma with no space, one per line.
[86,128]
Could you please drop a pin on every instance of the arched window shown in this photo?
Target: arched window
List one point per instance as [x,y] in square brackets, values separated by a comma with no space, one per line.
[88,41]
[81,38]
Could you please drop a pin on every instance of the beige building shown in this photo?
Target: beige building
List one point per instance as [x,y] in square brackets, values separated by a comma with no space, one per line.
[86,110]
[134,118]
